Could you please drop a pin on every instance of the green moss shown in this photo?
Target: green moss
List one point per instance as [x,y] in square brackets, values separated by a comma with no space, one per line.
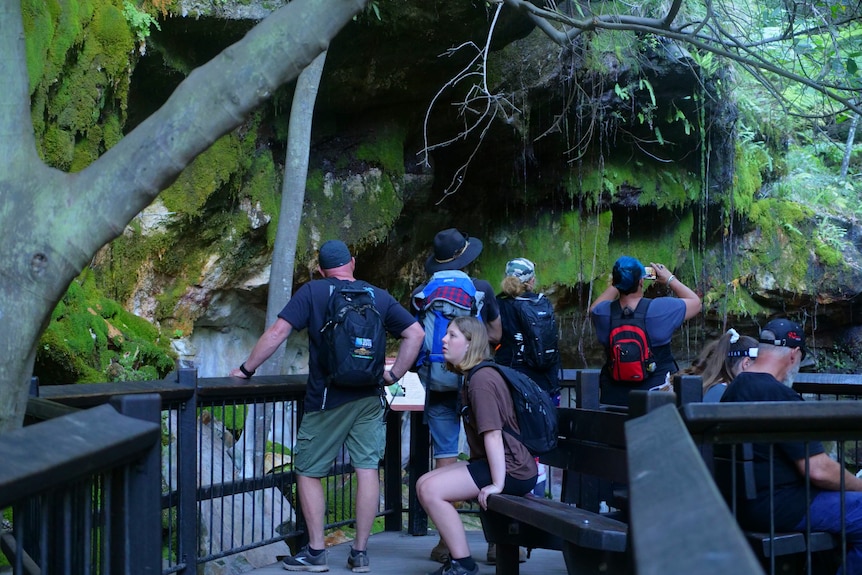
[204,176]
[110,39]
[666,186]
[385,148]
[59,144]
[232,416]
[753,162]
[264,188]
[87,150]
[80,56]
[828,255]
[88,333]
[358,208]
[733,300]
[784,241]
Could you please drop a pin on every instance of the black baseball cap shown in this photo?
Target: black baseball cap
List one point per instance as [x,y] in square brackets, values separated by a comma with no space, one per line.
[786,333]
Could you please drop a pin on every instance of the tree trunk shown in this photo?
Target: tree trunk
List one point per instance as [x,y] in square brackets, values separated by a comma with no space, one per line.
[292,198]
[53,223]
[848,147]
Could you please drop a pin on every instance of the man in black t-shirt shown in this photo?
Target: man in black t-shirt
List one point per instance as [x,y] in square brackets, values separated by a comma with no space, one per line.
[781,350]
[336,415]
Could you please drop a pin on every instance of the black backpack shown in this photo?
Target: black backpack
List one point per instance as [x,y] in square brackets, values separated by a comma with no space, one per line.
[354,350]
[630,358]
[539,329]
[534,409]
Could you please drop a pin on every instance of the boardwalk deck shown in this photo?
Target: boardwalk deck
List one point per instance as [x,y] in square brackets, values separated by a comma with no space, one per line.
[396,553]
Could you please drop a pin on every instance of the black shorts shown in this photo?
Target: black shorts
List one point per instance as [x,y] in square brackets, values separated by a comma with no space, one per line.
[480,471]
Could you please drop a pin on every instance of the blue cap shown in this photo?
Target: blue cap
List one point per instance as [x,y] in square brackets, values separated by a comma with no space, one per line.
[627,273]
[333,254]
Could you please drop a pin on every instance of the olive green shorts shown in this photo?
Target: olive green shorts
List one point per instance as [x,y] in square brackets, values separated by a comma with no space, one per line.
[357,425]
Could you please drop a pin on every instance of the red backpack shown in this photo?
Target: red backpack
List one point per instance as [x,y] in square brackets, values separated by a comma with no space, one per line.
[629,356]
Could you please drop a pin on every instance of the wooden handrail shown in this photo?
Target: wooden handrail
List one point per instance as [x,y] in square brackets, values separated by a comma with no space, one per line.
[62,450]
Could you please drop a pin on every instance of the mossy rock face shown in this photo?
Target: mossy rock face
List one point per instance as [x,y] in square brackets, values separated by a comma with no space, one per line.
[91,338]
[80,56]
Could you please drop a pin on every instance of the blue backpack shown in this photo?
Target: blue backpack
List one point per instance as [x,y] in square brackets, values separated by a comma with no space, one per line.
[447,295]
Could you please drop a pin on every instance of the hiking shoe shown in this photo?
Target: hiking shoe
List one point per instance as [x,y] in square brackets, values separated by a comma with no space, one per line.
[492,554]
[357,561]
[440,553]
[452,567]
[305,561]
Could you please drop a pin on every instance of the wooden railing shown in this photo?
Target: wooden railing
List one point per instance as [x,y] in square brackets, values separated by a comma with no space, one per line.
[186,408]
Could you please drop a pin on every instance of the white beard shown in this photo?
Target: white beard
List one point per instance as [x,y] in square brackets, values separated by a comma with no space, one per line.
[791,375]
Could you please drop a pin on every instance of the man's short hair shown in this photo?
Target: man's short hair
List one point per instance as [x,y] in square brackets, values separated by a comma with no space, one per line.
[627,272]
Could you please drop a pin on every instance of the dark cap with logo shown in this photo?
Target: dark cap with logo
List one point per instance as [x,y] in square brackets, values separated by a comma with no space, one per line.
[786,333]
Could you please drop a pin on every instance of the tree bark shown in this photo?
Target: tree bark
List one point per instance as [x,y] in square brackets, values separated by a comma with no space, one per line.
[292,198]
[848,147]
[53,222]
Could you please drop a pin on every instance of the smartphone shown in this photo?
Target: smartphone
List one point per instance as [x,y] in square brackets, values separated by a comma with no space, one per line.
[650,273]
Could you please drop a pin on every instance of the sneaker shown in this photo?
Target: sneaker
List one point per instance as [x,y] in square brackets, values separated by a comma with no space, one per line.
[492,554]
[452,567]
[305,561]
[357,561]
[440,553]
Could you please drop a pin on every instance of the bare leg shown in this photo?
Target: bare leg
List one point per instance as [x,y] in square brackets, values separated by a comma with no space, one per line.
[437,490]
[367,502]
[313,508]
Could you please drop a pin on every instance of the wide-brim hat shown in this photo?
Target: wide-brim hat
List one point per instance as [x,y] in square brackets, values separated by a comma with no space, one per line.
[453,250]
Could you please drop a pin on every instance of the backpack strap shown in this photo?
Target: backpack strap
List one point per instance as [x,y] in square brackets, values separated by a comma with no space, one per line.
[480,365]
[501,369]
[640,312]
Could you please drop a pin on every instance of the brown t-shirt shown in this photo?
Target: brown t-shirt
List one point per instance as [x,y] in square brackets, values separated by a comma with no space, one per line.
[490,407]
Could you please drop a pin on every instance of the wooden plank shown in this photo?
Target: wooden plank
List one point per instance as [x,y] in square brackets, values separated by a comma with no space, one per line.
[65,449]
[591,459]
[592,425]
[256,387]
[92,394]
[668,481]
[580,527]
[41,409]
[825,378]
[768,421]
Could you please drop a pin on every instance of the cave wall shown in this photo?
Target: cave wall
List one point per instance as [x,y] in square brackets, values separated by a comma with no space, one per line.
[596,152]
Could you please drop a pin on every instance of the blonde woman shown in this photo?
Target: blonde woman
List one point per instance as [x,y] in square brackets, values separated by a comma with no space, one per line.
[498,463]
[528,322]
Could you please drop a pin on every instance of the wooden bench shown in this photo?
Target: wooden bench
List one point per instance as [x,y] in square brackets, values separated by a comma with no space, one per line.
[733,427]
[733,472]
[734,475]
[679,521]
[592,455]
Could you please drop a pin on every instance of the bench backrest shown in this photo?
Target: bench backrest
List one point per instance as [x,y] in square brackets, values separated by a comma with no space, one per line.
[592,445]
[668,481]
[591,453]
